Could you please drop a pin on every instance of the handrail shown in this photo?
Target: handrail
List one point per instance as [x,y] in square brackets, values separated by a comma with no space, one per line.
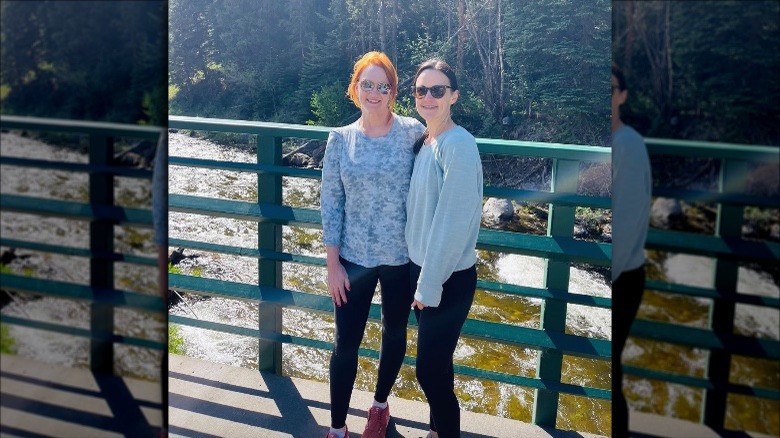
[102,215]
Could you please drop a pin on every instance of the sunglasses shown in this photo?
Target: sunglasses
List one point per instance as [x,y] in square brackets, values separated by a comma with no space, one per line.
[381,87]
[437,91]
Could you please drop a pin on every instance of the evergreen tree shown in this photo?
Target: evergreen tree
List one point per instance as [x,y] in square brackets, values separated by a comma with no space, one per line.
[84,60]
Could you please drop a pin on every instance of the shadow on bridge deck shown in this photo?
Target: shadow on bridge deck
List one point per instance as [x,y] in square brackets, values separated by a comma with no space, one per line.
[43,400]
[209,400]
[645,425]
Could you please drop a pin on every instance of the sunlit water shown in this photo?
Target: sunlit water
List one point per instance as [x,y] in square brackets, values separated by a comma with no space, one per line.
[746,413]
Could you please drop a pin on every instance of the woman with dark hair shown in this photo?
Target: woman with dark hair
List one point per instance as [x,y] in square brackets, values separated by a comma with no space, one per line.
[631,195]
[365,181]
[443,211]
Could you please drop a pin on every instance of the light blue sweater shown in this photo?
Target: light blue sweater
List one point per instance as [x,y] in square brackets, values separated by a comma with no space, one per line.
[443,211]
[631,189]
[365,181]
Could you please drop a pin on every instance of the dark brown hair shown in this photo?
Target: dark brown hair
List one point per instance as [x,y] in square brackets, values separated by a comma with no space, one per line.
[442,66]
[618,74]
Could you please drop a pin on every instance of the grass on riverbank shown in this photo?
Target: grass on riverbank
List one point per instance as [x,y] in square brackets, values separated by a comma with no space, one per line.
[175,340]
[7,343]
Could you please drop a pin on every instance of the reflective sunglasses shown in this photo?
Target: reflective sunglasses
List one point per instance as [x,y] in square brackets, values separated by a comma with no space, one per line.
[382,87]
[437,91]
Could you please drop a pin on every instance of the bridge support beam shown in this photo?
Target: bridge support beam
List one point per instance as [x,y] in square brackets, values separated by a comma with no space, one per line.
[553,313]
[269,191]
[101,269]
[725,277]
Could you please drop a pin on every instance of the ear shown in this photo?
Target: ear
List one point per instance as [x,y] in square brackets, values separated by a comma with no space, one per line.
[622,97]
[454,97]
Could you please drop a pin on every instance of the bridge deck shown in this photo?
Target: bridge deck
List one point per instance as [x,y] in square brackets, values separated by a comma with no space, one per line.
[212,400]
[43,400]
[208,399]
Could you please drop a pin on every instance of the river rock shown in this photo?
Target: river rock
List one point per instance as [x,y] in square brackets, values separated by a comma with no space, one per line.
[497,211]
[176,256]
[298,159]
[606,233]
[596,180]
[309,155]
[774,231]
[140,155]
[666,213]
[764,181]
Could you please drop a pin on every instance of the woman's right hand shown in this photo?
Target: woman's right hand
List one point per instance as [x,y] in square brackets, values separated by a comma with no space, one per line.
[338,283]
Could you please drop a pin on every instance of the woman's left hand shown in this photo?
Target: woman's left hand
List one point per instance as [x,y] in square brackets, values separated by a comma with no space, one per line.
[418,304]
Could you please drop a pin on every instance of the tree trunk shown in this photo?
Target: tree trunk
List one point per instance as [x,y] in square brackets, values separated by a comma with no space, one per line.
[461,35]
[629,47]
[500,48]
[381,13]
[669,77]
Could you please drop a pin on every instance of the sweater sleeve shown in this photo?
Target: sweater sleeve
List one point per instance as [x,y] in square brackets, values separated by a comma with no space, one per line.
[160,192]
[631,186]
[332,197]
[457,216]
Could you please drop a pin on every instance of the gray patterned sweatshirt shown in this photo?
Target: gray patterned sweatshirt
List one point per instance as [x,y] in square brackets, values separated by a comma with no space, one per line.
[365,182]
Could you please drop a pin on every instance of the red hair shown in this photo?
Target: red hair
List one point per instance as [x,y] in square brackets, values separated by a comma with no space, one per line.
[381,60]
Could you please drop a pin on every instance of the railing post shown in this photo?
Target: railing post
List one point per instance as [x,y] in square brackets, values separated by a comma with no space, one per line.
[269,191]
[101,271]
[553,313]
[721,316]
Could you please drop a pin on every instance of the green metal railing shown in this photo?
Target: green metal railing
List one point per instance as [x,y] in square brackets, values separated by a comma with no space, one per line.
[728,248]
[102,215]
[558,247]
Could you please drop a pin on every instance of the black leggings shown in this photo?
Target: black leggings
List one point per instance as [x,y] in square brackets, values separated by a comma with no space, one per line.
[437,336]
[627,292]
[351,320]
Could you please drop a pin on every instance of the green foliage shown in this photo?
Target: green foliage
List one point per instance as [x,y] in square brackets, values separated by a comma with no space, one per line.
[101,61]
[7,343]
[470,111]
[176,340]
[545,60]
[425,47]
[404,106]
[155,107]
[173,269]
[713,77]
[330,105]
[173,90]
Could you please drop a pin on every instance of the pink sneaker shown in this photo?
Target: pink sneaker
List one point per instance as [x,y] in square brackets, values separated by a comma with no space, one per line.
[377,422]
[333,435]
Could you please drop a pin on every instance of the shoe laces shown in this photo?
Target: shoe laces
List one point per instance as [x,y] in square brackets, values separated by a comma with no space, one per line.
[375,416]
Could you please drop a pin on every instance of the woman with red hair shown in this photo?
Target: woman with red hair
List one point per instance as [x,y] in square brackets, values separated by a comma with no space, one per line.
[365,182]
